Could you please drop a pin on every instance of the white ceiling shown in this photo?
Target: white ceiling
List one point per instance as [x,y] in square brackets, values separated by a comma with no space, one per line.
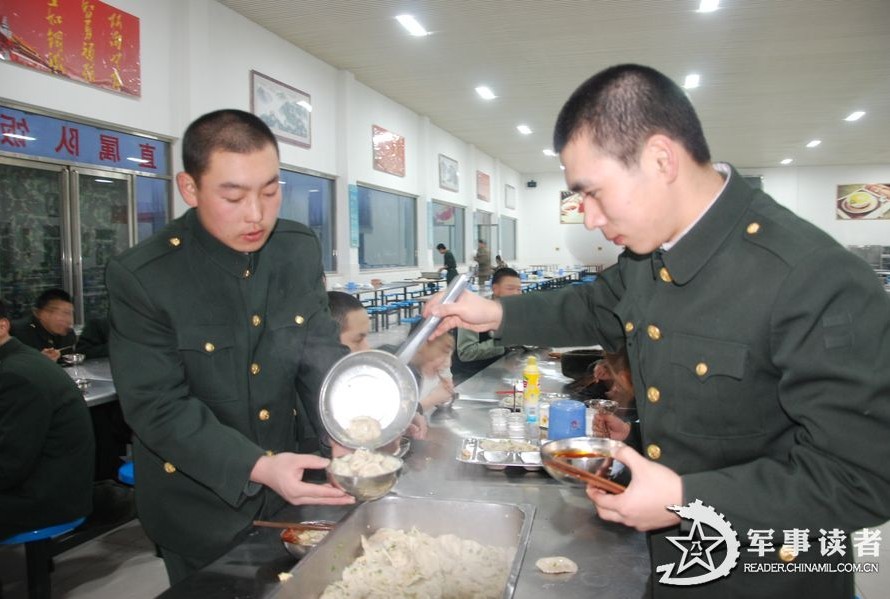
[775,73]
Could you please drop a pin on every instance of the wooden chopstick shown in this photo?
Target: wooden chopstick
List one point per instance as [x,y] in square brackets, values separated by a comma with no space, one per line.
[300,525]
[592,479]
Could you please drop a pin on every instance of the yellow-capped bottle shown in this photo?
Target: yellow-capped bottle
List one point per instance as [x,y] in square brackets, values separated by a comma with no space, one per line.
[531,377]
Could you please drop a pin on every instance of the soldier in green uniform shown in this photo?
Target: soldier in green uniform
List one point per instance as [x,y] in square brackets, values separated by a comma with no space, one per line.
[50,329]
[758,347]
[46,440]
[220,339]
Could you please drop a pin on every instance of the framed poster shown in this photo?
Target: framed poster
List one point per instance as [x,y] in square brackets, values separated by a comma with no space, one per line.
[388,150]
[570,208]
[483,186]
[863,201]
[448,173]
[510,197]
[287,110]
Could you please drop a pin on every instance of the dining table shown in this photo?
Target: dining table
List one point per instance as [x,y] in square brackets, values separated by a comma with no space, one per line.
[613,560]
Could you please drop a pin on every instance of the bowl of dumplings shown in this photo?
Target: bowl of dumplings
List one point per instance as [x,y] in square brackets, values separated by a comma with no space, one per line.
[366,475]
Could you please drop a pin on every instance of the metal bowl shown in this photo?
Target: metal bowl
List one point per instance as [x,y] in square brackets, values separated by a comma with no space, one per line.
[592,454]
[366,488]
[289,536]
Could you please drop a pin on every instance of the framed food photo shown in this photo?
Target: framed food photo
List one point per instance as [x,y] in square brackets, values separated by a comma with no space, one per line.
[287,110]
[449,177]
[388,151]
[483,186]
[863,201]
[570,210]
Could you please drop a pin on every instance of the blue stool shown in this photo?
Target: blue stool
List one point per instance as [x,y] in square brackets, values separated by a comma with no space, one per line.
[126,474]
[412,319]
[38,555]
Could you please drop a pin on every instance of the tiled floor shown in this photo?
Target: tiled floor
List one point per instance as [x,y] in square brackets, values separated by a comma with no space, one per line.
[122,564]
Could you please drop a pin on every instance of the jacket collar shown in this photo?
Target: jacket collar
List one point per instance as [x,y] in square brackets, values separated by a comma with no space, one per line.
[238,264]
[696,248]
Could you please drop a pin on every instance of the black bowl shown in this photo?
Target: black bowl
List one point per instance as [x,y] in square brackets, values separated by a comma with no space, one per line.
[578,362]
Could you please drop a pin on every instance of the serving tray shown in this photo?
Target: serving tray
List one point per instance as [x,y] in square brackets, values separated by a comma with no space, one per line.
[498,454]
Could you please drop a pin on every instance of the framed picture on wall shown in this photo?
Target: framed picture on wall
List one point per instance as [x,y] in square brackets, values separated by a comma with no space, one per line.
[509,197]
[483,186]
[449,176]
[388,151]
[858,201]
[570,208]
[287,110]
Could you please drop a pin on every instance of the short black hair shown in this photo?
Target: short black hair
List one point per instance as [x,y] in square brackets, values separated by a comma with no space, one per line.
[501,273]
[341,304]
[52,294]
[441,246]
[4,311]
[623,106]
[226,130]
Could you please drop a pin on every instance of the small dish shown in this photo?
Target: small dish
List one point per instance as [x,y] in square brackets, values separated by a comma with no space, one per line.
[299,542]
[531,459]
[495,459]
[593,454]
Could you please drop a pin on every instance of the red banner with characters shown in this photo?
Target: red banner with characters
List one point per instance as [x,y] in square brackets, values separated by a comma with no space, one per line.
[85,40]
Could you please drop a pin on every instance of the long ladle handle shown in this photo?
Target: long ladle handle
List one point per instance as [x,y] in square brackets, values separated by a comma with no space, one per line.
[426,328]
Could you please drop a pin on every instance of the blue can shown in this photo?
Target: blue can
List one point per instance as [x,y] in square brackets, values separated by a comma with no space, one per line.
[567,419]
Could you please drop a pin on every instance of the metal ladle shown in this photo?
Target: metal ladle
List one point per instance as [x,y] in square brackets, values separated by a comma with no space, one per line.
[377,384]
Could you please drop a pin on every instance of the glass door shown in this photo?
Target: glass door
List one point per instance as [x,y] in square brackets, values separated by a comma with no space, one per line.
[103,225]
[34,244]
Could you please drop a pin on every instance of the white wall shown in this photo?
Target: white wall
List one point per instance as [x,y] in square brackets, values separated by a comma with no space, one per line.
[808,191]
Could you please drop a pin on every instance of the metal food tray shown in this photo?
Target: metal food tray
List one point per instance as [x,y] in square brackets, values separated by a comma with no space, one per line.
[472,452]
[496,524]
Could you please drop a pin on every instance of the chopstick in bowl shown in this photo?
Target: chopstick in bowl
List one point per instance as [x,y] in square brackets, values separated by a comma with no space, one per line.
[299,525]
[591,479]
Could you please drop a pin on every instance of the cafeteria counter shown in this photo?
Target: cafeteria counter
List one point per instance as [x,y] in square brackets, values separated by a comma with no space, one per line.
[612,559]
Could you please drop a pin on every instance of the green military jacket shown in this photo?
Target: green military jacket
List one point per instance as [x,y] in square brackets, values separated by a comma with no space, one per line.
[30,332]
[47,449]
[761,370]
[217,357]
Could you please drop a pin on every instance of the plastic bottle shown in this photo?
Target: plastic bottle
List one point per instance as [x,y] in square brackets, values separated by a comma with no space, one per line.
[531,377]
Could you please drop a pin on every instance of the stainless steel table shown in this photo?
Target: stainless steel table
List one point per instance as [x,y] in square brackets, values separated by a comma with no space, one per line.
[612,559]
[101,389]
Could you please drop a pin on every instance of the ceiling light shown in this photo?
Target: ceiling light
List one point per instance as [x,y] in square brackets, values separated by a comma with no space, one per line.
[708,5]
[485,92]
[787,161]
[855,116]
[692,81]
[814,143]
[524,129]
[411,24]
[549,152]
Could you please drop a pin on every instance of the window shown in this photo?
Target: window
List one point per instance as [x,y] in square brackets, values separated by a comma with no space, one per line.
[152,199]
[309,199]
[486,231]
[448,228]
[508,239]
[387,224]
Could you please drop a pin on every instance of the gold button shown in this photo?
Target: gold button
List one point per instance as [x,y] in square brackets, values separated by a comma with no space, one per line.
[209,347]
[701,369]
[628,327]
[254,368]
[264,414]
[654,332]
[786,554]
[653,451]
[665,275]
[653,394]
[175,241]
[255,320]
[299,319]
[169,468]
[270,453]
[246,273]
[753,228]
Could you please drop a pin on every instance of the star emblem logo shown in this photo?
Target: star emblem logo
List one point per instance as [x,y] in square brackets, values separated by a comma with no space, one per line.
[696,548]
